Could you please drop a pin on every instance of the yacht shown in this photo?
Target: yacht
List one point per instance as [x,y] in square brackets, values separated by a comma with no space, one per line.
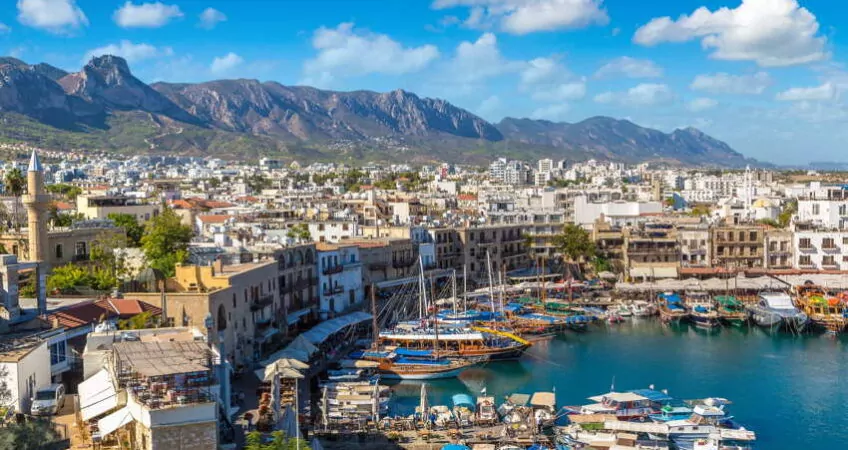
[775,310]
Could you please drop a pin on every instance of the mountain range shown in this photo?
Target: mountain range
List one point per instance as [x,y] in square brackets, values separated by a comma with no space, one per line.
[104,106]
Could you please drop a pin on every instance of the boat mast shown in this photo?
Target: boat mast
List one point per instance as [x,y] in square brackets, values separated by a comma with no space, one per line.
[491,283]
[453,290]
[375,330]
[464,288]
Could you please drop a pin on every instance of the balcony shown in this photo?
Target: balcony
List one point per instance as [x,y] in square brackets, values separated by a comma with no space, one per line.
[806,246]
[262,302]
[830,248]
[332,270]
[378,266]
[404,262]
[334,290]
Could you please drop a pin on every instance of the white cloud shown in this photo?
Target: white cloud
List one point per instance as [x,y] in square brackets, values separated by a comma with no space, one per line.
[769,32]
[129,51]
[541,71]
[630,68]
[5,28]
[826,91]
[56,16]
[479,60]
[701,104]
[146,15]
[344,51]
[489,106]
[551,112]
[223,64]
[725,83]
[645,94]
[528,16]
[575,90]
[210,18]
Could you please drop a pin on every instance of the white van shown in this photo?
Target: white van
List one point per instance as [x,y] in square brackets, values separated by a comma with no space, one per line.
[48,400]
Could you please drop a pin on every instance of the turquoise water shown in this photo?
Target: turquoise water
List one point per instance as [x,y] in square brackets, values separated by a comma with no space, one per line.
[791,390]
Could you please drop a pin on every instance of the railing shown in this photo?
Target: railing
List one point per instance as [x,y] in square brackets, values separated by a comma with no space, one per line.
[378,266]
[334,290]
[830,248]
[333,269]
[406,262]
[261,302]
[81,257]
[830,266]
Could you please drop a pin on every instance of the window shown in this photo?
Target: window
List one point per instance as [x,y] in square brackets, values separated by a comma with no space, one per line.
[80,249]
[815,209]
[805,243]
[805,260]
[828,243]
[828,261]
[58,352]
[753,235]
[59,251]
[234,300]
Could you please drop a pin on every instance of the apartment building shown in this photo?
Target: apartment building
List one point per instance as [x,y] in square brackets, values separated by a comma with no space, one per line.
[825,207]
[100,206]
[820,250]
[243,300]
[651,251]
[609,243]
[339,278]
[694,245]
[387,259]
[503,245]
[297,279]
[738,246]
[779,249]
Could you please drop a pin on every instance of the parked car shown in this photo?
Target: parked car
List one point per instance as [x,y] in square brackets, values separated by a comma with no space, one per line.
[48,400]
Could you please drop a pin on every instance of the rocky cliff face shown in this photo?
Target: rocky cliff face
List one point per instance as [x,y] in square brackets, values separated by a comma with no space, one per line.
[610,138]
[216,116]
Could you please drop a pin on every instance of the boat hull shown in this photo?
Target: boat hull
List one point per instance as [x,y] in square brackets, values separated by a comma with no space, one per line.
[400,375]
[702,321]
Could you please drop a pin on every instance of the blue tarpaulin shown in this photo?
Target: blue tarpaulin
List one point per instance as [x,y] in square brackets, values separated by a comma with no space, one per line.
[463,400]
[408,352]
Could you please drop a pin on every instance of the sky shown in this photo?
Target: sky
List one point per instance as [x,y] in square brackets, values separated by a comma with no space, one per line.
[766,76]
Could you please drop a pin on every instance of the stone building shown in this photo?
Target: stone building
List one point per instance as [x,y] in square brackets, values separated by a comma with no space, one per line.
[64,245]
[737,246]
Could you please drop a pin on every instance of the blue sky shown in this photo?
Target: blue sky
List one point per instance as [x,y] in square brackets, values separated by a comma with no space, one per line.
[767,76]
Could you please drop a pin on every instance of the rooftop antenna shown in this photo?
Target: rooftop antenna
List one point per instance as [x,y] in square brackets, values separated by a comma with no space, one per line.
[612,385]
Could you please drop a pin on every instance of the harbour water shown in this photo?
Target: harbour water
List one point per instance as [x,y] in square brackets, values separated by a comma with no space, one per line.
[791,390]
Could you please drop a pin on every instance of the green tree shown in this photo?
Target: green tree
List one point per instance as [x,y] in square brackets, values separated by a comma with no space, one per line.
[138,322]
[165,241]
[15,186]
[130,225]
[789,210]
[300,233]
[30,435]
[700,210]
[65,190]
[279,441]
[62,220]
[574,243]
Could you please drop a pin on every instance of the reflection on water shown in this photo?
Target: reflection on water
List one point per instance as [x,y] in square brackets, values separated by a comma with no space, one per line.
[789,389]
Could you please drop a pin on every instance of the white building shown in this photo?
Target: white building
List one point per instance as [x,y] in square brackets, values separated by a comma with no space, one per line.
[25,368]
[339,277]
[619,213]
[546,165]
[332,231]
[820,250]
[828,209]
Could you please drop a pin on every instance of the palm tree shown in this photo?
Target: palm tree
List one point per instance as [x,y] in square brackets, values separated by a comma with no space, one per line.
[15,185]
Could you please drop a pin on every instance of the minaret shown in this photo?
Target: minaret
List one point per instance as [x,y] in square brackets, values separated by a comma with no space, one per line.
[36,202]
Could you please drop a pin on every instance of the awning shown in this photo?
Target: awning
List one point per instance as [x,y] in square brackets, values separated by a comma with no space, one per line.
[97,395]
[321,332]
[653,272]
[267,333]
[294,317]
[112,422]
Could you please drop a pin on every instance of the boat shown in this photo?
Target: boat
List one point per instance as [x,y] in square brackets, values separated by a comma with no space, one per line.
[463,410]
[702,312]
[514,409]
[708,418]
[731,311]
[544,407]
[623,311]
[774,310]
[622,405]
[825,312]
[456,342]
[613,317]
[423,369]
[641,308]
[671,308]
[486,413]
